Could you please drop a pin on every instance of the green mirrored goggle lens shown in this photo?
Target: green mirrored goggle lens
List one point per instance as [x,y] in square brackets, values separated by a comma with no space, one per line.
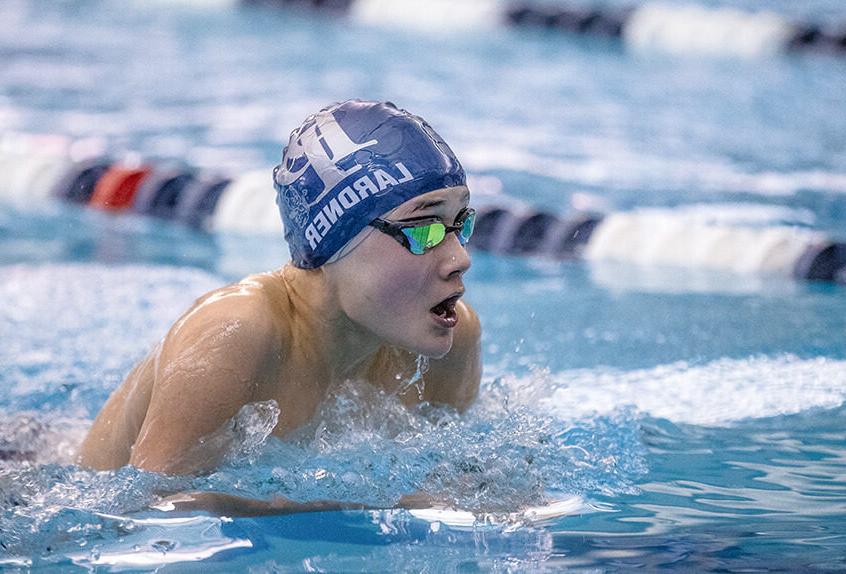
[467,227]
[424,237]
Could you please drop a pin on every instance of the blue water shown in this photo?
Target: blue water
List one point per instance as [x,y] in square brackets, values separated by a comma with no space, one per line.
[696,415]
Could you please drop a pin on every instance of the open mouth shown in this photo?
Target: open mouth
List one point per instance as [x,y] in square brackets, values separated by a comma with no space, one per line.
[444,311]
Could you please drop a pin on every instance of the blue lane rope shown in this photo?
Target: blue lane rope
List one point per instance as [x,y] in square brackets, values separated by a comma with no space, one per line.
[192,197]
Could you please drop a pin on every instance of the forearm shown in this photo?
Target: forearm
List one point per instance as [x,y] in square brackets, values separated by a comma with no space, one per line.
[230,505]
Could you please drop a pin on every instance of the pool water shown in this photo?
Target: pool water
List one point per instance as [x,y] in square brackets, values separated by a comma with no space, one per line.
[686,419]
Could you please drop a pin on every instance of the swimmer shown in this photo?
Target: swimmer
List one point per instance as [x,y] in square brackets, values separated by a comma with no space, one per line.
[375,210]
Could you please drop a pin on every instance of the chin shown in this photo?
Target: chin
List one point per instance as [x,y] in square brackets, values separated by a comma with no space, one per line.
[427,340]
[435,347]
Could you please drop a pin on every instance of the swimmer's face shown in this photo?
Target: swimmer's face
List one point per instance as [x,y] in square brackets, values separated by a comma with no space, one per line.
[397,295]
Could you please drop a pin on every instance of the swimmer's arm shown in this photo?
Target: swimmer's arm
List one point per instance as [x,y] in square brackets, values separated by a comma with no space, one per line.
[454,378]
[109,440]
[211,364]
[221,504]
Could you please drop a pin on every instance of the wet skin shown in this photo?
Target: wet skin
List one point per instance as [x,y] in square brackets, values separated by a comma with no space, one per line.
[289,336]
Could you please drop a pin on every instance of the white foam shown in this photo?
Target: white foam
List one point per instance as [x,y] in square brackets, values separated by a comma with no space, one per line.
[698,30]
[432,15]
[44,438]
[717,393]
[656,237]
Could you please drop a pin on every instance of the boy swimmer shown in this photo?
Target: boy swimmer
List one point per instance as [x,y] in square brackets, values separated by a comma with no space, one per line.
[375,209]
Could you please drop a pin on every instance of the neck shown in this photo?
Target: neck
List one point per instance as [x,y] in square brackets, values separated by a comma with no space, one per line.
[340,344]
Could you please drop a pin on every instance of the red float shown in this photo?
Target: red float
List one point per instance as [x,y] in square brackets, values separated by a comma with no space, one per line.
[115,190]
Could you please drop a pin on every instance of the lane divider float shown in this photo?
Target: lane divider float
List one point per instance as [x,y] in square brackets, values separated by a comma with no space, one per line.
[78,183]
[115,189]
[199,199]
[246,204]
[677,28]
[159,193]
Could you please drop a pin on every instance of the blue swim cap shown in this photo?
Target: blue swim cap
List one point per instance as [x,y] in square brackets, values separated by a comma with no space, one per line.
[349,164]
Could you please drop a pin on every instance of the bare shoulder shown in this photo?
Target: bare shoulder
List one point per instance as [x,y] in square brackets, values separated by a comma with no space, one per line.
[454,378]
[245,301]
[469,328]
[227,344]
[215,359]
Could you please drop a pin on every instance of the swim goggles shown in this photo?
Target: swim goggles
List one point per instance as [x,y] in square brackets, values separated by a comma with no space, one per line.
[421,234]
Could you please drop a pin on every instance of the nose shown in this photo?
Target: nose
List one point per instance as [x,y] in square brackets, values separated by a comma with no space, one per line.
[455,259]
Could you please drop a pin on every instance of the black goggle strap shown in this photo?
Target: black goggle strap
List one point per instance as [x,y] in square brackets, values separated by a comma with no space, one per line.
[392,229]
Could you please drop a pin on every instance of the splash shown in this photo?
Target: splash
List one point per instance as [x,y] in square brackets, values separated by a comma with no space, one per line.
[239,439]
[39,437]
[363,445]
[48,509]
[416,380]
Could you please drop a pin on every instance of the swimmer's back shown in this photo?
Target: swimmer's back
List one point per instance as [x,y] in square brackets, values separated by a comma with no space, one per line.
[203,370]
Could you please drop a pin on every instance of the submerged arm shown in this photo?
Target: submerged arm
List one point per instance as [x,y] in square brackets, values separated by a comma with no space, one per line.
[223,504]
